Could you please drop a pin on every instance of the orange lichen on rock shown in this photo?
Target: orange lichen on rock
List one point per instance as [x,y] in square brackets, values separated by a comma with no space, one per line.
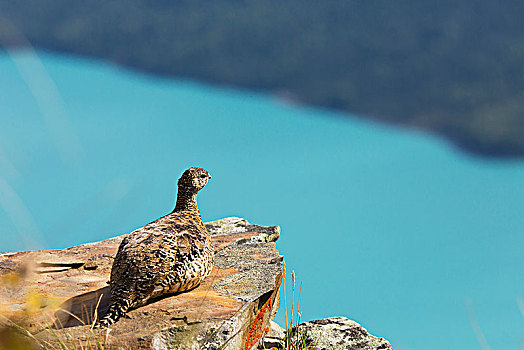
[257,329]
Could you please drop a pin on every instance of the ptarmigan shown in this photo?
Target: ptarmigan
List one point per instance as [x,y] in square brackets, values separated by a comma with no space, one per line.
[169,255]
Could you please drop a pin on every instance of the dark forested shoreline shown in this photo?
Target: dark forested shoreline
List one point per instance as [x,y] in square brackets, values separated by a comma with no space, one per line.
[455,68]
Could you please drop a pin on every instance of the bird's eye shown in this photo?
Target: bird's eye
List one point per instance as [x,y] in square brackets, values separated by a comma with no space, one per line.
[203,176]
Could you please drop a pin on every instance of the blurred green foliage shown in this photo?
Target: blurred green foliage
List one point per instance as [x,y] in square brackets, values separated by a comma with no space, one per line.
[455,67]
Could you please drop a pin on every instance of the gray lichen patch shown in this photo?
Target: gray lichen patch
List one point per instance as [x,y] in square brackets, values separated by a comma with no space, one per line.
[234,225]
[256,263]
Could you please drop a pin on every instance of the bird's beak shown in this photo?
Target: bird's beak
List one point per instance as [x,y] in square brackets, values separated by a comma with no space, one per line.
[209,177]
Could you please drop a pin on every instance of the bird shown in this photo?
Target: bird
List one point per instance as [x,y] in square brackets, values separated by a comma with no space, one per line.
[169,255]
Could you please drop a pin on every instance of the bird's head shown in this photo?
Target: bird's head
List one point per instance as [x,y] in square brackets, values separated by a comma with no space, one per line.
[193,179]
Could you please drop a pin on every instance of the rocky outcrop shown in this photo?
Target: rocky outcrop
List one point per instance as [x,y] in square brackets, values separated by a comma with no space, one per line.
[335,333]
[55,294]
[50,297]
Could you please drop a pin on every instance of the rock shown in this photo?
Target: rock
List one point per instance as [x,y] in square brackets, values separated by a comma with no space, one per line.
[55,294]
[273,338]
[337,333]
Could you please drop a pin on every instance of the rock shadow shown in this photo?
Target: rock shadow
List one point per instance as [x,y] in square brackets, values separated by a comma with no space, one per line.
[82,309]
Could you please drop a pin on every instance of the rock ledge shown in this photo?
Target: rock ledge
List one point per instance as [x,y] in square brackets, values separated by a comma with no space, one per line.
[229,310]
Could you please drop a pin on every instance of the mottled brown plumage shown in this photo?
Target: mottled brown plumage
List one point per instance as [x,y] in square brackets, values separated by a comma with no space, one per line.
[169,255]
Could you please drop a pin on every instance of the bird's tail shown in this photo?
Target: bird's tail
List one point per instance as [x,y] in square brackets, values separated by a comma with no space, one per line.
[115,311]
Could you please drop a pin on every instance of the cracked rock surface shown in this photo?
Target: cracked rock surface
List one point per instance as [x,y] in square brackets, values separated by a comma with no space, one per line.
[61,289]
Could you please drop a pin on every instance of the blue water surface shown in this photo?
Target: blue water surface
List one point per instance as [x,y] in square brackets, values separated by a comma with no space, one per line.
[416,241]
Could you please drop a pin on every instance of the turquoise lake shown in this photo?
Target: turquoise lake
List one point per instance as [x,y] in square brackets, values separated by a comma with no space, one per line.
[393,228]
